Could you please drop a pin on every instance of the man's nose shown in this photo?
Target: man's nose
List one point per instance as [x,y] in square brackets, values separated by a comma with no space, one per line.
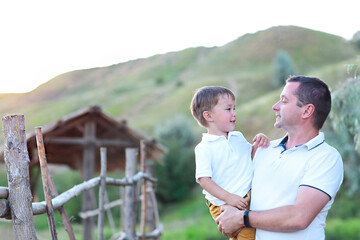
[276,106]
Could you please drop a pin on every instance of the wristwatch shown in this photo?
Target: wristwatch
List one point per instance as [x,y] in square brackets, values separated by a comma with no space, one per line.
[246,219]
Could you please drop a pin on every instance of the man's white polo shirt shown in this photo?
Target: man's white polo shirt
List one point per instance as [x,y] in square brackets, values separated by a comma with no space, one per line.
[278,173]
[226,161]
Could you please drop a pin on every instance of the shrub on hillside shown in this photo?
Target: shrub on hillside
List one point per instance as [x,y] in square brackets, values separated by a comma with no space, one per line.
[176,174]
[283,68]
[356,39]
[344,118]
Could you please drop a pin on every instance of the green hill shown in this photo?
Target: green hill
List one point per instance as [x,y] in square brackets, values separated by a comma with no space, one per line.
[147,91]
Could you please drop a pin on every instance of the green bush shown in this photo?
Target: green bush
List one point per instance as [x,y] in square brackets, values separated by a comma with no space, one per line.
[356,40]
[176,174]
[340,229]
[345,207]
[283,68]
[344,119]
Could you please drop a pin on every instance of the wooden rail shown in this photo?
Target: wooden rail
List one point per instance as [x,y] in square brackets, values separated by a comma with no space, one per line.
[40,207]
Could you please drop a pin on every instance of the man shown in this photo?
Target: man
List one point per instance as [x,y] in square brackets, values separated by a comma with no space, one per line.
[296,178]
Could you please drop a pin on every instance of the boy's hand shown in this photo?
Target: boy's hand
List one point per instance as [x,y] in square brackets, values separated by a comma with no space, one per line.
[261,140]
[236,201]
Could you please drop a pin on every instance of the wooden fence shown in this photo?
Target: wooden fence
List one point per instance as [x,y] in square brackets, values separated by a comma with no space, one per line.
[18,205]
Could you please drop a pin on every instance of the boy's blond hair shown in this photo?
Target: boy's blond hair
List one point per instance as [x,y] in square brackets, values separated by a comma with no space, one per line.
[205,99]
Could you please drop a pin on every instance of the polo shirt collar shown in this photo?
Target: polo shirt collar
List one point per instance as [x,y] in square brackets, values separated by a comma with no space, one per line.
[312,143]
[316,141]
[211,137]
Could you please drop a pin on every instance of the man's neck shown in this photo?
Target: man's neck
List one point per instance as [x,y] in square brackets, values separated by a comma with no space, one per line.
[300,138]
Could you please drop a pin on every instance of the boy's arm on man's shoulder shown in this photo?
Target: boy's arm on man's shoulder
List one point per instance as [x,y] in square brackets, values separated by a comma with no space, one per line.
[260,140]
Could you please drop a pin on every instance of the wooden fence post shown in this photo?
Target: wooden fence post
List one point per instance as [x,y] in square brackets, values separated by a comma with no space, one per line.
[151,210]
[88,162]
[102,190]
[45,181]
[129,195]
[143,189]
[17,160]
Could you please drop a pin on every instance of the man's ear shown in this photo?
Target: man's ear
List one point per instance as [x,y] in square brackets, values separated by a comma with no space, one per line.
[207,116]
[308,111]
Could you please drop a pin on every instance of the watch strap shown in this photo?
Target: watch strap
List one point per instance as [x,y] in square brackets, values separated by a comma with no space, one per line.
[246,219]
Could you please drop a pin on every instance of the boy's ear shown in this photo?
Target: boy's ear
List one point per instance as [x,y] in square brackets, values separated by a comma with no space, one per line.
[207,115]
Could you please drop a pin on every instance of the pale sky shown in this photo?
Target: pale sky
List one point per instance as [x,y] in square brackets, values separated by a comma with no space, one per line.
[41,39]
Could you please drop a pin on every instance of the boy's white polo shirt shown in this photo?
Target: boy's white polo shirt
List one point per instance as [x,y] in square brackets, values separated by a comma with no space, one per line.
[278,173]
[226,161]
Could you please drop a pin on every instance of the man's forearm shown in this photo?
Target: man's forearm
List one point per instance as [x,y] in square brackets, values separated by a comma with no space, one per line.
[282,219]
[290,218]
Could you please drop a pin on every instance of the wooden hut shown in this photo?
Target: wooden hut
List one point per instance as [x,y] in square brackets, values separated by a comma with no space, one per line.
[75,141]
[69,140]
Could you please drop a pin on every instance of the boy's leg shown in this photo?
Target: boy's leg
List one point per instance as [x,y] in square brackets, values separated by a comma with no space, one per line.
[247,233]
[214,210]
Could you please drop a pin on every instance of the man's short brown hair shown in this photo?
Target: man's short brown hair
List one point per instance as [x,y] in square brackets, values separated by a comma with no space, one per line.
[313,91]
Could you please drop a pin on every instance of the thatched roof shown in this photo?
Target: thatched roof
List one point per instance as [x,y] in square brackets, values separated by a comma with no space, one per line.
[65,140]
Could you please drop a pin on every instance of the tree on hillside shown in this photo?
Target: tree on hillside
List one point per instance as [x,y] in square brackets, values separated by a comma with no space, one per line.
[356,39]
[176,175]
[346,111]
[283,68]
[345,118]
[353,69]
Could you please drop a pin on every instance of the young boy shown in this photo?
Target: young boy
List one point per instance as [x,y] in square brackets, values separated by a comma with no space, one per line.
[223,157]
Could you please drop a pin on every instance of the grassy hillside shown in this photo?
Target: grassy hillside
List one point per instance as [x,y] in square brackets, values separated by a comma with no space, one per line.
[148,91]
